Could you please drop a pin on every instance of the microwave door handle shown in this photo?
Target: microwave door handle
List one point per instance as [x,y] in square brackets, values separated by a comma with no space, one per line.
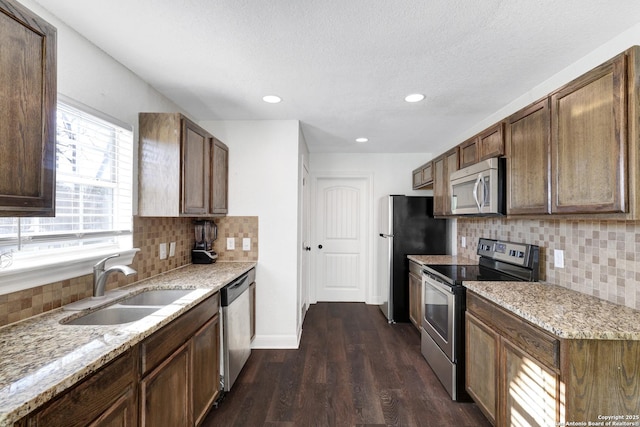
[484,193]
[475,191]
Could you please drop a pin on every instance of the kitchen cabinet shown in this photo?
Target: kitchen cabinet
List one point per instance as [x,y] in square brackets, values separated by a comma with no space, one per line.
[220,180]
[179,368]
[481,374]
[520,374]
[183,170]
[165,393]
[485,145]
[27,112]
[589,141]
[105,398]
[423,176]
[443,166]
[415,294]
[528,160]
[206,357]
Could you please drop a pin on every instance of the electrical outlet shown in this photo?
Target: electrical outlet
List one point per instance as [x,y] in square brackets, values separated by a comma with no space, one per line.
[163,251]
[558,258]
[246,243]
[172,249]
[463,242]
[231,243]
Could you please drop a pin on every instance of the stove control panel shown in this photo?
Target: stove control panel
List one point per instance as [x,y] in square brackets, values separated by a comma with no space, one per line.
[520,254]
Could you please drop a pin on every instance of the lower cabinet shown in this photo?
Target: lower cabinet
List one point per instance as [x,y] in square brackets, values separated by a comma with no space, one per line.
[180,368]
[415,294]
[165,393]
[206,364]
[481,375]
[521,375]
[512,368]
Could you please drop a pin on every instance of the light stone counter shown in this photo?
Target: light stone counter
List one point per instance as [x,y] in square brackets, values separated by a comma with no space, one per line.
[563,312]
[441,260]
[41,358]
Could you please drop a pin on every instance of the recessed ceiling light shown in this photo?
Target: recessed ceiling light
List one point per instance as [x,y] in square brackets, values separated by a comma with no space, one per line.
[271,99]
[362,139]
[414,97]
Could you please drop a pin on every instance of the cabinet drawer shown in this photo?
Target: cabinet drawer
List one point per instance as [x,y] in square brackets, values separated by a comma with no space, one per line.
[530,338]
[92,397]
[158,346]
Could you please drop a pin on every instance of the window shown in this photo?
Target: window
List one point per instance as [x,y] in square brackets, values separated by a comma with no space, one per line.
[94,176]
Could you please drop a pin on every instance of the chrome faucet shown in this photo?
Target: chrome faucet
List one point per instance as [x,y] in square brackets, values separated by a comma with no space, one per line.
[100,274]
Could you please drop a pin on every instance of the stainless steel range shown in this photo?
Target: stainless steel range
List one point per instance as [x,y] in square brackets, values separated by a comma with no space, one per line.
[444,304]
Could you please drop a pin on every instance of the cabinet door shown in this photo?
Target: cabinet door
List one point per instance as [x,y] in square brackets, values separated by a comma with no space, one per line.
[528,171]
[529,391]
[482,349]
[469,153]
[206,368]
[165,394]
[27,112]
[452,163]
[196,148]
[415,297]
[220,180]
[439,186]
[123,413]
[589,142]
[491,142]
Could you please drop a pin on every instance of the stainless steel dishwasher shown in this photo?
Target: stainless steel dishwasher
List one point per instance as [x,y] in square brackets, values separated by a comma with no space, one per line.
[236,328]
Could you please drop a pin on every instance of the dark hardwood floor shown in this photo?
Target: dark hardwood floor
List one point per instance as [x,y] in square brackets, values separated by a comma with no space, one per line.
[352,369]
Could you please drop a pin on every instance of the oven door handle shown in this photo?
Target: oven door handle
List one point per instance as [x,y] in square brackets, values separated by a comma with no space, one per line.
[436,283]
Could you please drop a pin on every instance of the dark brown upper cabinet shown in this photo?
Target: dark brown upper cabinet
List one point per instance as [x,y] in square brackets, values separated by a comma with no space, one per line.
[27,112]
[589,142]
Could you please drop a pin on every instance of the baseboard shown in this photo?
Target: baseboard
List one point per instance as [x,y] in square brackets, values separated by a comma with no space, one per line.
[268,342]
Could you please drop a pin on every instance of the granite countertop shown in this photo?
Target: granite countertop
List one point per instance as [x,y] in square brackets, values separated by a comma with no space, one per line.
[41,358]
[441,259]
[564,312]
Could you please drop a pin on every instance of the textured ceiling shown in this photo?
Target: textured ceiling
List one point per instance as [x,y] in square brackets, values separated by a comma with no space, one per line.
[343,67]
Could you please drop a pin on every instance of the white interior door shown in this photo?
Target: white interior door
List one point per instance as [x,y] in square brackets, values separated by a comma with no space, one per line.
[340,246]
[306,245]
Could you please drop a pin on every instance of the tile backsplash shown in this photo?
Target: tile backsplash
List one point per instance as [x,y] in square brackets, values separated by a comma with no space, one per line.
[148,233]
[600,257]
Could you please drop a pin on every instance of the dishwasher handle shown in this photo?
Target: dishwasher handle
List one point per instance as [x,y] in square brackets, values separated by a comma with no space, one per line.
[233,290]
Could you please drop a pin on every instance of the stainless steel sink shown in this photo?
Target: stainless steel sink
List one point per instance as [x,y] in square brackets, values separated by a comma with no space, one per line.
[156,297]
[113,315]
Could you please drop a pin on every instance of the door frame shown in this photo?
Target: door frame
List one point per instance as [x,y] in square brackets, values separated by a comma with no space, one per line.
[369,282]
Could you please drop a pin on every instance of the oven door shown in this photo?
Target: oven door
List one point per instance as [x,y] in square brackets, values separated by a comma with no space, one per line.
[438,308]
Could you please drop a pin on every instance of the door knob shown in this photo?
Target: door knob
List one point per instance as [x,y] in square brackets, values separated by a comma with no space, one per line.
[307,248]
[319,246]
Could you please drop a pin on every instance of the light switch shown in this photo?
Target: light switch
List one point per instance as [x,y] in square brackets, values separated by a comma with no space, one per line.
[163,251]
[246,243]
[231,243]
[172,249]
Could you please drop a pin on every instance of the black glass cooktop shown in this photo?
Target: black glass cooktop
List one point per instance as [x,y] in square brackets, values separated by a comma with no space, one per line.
[459,273]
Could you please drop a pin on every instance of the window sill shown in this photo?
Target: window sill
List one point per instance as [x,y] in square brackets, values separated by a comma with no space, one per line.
[55,268]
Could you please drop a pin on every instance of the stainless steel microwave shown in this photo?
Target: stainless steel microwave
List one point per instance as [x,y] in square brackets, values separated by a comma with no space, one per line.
[479,189]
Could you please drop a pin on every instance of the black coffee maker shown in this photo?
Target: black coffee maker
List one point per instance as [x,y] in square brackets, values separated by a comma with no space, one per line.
[206,232]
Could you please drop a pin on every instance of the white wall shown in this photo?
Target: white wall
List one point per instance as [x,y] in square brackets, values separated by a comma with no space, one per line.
[605,52]
[391,175]
[263,182]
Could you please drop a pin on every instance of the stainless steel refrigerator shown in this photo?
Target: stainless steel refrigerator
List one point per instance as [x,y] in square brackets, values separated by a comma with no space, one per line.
[406,226]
